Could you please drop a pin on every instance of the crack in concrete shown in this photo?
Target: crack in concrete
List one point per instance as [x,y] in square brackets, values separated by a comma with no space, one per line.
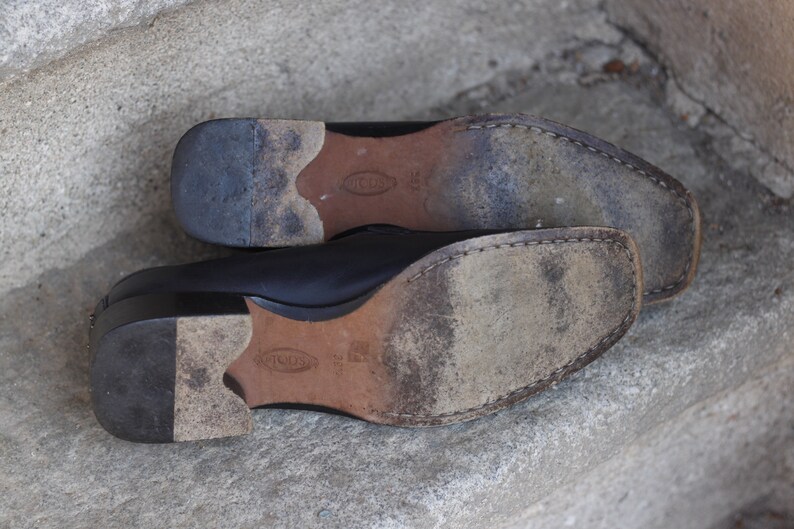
[637,40]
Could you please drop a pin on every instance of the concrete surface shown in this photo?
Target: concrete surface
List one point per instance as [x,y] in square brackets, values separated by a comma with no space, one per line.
[735,58]
[35,33]
[654,478]
[687,422]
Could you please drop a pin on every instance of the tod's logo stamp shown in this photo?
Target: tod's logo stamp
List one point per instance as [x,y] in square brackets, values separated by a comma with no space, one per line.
[286,360]
[368,183]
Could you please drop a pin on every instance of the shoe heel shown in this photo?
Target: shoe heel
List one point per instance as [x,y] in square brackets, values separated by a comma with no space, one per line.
[132,380]
[160,379]
[233,182]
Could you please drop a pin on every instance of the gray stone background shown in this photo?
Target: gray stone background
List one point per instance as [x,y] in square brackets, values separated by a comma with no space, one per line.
[688,422]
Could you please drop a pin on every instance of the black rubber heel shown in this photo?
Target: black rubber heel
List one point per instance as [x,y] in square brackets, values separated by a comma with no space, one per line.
[211,181]
[233,182]
[133,361]
[132,380]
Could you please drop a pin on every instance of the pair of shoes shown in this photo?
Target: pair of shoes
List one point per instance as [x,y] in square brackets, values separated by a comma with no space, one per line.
[469,264]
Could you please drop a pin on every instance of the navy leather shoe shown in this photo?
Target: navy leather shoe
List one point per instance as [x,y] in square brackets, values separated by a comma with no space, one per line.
[273,183]
[391,326]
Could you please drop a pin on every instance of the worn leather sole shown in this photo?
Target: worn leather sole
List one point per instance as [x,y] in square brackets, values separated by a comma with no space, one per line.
[463,331]
[262,183]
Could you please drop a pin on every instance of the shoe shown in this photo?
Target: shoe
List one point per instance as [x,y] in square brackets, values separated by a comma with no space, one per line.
[399,328]
[272,183]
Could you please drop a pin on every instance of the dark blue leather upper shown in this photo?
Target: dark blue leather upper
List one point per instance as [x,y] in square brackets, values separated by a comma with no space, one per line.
[320,275]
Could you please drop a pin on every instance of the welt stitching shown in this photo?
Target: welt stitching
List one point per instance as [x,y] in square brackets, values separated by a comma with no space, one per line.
[557,371]
[655,180]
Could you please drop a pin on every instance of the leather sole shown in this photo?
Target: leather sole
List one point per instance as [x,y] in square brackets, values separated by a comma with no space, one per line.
[462,332]
[268,183]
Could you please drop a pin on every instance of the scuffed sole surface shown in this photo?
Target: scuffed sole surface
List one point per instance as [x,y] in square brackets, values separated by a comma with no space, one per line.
[465,331]
[302,182]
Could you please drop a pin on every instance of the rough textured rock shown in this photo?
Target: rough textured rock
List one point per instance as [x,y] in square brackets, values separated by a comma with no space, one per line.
[649,485]
[737,59]
[686,421]
[34,33]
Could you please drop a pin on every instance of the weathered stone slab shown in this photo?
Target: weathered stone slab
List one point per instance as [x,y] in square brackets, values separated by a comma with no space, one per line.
[737,59]
[33,33]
